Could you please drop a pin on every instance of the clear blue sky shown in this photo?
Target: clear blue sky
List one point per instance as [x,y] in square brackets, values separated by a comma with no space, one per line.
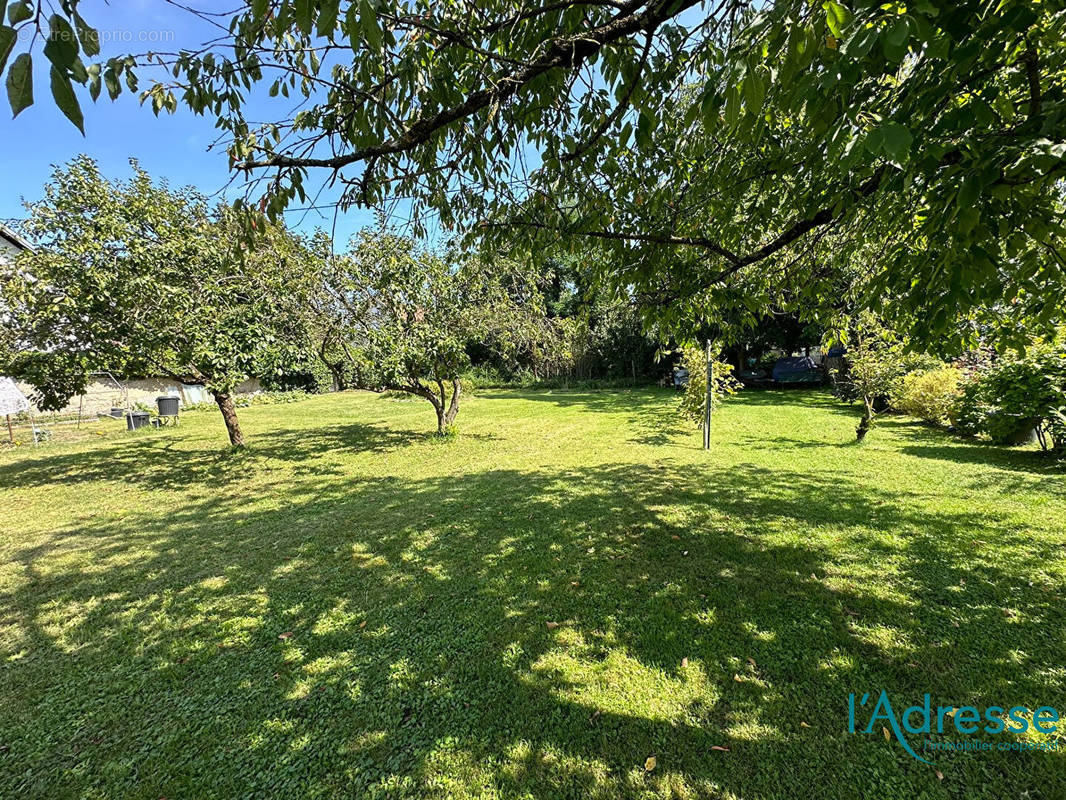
[170,146]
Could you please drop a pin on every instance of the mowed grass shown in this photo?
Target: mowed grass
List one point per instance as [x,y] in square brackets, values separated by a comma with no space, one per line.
[354,608]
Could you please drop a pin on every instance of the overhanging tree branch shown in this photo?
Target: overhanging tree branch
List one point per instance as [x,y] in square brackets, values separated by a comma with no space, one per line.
[561,52]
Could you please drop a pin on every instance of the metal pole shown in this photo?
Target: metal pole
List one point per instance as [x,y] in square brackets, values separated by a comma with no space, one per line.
[707,404]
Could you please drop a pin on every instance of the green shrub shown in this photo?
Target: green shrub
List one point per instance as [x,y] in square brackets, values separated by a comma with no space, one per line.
[929,394]
[246,400]
[1011,398]
[313,377]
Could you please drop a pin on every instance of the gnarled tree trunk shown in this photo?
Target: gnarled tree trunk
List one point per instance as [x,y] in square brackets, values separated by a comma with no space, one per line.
[453,407]
[229,416]
[867,419]
[446,411]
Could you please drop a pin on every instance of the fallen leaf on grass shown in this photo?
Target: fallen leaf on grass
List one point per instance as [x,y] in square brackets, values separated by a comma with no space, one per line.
[552,625]
[650,763]
[595,714]
[888,736]
[575,583]
[676,538]
[362,624]
[804,725]
[719,748]
[737,678]
[286,635]
[939,774]
[752,662]
[684,662]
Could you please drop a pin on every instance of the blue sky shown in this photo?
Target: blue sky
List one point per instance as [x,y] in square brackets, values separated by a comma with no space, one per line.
[170,146]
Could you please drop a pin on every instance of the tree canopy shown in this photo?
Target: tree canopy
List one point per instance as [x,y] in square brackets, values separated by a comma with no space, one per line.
[717,150]
[402,317]
[143,279]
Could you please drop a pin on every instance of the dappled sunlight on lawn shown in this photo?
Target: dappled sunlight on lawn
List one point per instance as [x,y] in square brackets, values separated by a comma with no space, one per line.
[353,607]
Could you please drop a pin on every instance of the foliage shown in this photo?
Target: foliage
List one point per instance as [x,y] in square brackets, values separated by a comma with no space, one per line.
[929,394]
[140,278]
[714,156]
[307,374]
[693,400]
[370,609]
[249,399]
[874,368]
[405,316]
[590,333]
[1017,394]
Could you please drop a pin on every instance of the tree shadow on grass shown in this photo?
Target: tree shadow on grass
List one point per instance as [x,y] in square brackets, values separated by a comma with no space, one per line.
[167,463]
[650,413]
[521,633]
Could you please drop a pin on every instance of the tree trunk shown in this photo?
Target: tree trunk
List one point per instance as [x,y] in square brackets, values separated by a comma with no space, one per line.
[453,406]
[339,384]
[867,419]
[446,414]
[229,416]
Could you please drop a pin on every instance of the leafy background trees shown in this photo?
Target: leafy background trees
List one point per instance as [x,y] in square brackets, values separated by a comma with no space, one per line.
[708,148]
[143,279]
[403,316]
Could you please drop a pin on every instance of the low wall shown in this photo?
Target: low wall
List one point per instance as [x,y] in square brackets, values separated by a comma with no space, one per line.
[101,394]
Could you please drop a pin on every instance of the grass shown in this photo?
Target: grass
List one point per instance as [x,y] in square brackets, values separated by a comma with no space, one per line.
[354,608]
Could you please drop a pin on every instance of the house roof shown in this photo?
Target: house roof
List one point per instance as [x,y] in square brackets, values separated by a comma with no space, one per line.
[14,238]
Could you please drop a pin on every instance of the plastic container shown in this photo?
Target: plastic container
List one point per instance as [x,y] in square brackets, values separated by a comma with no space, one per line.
[137,419]
[167,405]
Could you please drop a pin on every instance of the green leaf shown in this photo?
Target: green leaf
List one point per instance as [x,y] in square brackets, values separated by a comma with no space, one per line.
[968,218]
[259,9]
[63,94]
[368,23]
[897,141]
[114,88]
[20,12]
[755,83]
[875,141]
[62,46]
[351,27]
[8,37]
[327,17]
[90,38]
[20,83]
[837,17]
[732,106]
[303,13]
[898,33]
[645,126]
[94,81]
[969,192]
[860,45]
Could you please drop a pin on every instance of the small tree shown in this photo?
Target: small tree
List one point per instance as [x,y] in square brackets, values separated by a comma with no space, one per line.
[694,399]
[141,279]
[875,373]
[405,317]
[875,368]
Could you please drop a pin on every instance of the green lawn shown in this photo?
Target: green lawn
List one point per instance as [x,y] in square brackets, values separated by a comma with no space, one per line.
[355,608]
